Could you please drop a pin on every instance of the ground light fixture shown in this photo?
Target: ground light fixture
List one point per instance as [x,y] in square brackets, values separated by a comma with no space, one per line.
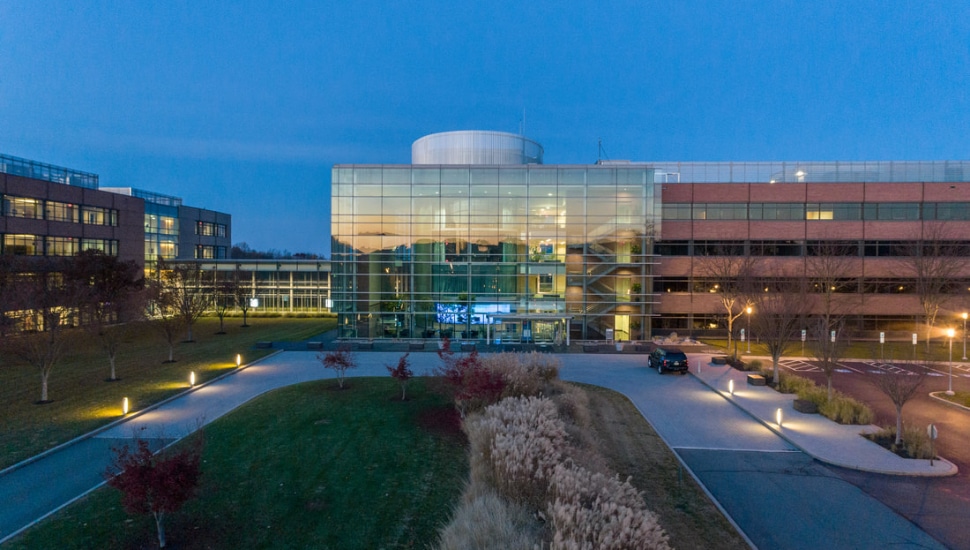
[950,333]
[778,417]
[192,379]
[238,360]
[748,311]
[964,315]
[124,406]
[731,386]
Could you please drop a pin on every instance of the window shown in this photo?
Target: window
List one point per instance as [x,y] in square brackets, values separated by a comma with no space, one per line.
[95,215]
[220,230]
[676,211]
[62,212]
[892,211]
[728,211]
[776,248]
[779,211]
[946,211]
[108,246]
[61,246]
[22,207]
[23,245]
[672,248]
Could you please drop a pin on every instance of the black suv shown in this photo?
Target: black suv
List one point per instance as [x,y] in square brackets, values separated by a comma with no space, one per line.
[667,359]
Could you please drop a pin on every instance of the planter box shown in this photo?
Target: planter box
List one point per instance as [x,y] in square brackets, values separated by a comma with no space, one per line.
[805,406]
[736,363]
[365,345]
[415,346]
[719,360]
[468,347]
[590,348]
[756,380]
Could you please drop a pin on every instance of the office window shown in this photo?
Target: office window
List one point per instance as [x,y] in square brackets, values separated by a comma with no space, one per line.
[62,212]
[62,246]
[779,211]
[22,207]
[727,211]
[95,215]
[23,245]
[959,211]
[108,246]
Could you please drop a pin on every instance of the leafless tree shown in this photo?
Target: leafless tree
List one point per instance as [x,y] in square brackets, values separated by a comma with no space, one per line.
[831,271]
[730,273]
[243,292]
[224,300]
[828,343]
[111,298]
[183,285]
[46,307]
[900,386]
[165,316]
[936,260]
[780,309]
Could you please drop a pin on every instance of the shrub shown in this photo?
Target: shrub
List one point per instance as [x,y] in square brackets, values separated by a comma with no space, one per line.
[470,382]
[916,443]
[754,364]
[527,441]
[339,361]
[486,521]
[596,511]
[402,373]
[524,373]
[789,383]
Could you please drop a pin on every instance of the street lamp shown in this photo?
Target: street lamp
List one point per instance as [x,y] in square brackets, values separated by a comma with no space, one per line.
[964,315]
[748,330]
[950,333]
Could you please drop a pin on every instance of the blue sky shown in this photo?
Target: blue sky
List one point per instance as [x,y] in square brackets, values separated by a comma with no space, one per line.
[245,106]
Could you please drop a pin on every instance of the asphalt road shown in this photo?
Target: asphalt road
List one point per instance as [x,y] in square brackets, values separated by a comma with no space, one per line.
[941,507]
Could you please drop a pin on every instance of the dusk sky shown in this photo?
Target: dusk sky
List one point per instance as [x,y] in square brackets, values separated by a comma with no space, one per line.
[244,107]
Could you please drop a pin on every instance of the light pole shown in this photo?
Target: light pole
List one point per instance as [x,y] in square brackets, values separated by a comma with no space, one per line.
[950,333]
[964,315]
[748,330]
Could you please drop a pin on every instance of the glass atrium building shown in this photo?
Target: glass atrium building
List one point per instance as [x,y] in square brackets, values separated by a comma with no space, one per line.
[478,239]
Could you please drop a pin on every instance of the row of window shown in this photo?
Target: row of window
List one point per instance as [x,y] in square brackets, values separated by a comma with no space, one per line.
[841,286]
[40,209]
[847,211]
[40,245]
[813,248]
[204,252]
[209,229]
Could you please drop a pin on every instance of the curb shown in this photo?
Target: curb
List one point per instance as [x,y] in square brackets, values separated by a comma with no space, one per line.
[951,469]
[936,395]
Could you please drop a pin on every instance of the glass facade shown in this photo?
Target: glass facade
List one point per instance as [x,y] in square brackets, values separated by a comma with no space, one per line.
[511,252]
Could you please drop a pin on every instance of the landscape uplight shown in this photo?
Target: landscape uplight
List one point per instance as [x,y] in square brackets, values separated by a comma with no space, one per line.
[731,386]
[192,379]
[964,315]
[748,311]
[238,360]
[778,417]
[950,333]
[124,406]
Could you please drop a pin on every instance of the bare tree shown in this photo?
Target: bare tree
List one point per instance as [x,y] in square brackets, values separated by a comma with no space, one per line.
[828,344]
[831,270]
[729,272]
[779,312]
[110,299]
[183,285]
[242,292]
[900,386]
[165,315]
[936,260]
[46,309]
[225,300]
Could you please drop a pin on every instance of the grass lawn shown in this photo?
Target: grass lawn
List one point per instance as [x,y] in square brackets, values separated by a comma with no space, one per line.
[960,397]
[316,468]
[83,400]
[358,468]
[899,351]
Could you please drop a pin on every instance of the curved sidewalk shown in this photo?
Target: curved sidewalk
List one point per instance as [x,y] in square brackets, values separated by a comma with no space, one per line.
[819,437]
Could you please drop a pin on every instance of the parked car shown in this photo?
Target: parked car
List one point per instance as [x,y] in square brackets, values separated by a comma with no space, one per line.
[667,359]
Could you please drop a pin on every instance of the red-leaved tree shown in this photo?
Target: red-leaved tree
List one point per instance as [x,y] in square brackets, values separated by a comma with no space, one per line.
[155,484]
[340,361]
[402,373]
[470,382]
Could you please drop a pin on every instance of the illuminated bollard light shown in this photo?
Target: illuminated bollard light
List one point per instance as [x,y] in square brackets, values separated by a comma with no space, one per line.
[192,379]
[778,417]
[731,387]
[238,360]
[124,406]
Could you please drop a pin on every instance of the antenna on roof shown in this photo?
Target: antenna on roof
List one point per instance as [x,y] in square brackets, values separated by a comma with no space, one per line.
[600,153]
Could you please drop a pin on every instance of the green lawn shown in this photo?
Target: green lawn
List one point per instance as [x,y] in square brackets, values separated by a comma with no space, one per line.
[83,401]
[307,466]
[899,351]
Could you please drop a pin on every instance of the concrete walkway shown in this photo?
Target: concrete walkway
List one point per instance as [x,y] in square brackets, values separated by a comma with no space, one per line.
[819,437]
[717,440]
